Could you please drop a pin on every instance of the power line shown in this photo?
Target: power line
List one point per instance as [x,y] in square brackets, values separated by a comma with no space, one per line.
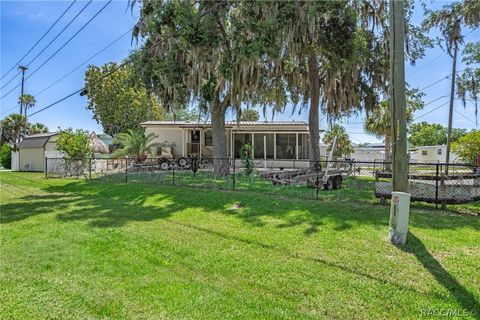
[130,59]
[476,124]
[440,80]
[76,68]
[13,78]
[427,64]
[41,38]
[61,31]
[58,50]
[423,115]
[83,63]
[51,41]
[8,110]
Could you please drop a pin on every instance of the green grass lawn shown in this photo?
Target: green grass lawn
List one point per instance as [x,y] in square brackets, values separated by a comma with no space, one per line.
[75,249]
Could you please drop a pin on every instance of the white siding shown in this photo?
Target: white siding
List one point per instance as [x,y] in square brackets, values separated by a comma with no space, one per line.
[15,163]
[170,135]
[31,159]
[430,154]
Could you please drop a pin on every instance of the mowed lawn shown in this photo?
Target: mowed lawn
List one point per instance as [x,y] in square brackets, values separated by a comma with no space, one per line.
[75,249]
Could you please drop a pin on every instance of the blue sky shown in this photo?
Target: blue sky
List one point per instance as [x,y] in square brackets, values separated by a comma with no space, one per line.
[24,22]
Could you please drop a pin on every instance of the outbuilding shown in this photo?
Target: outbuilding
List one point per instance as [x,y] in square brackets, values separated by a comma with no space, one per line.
[32,151]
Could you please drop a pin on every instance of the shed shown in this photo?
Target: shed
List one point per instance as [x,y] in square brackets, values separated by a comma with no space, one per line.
[33,149]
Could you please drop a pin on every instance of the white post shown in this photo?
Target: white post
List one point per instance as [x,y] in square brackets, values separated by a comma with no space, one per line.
[183,142]
[200,143]
[296,146]
[399,214]
[265,151]
[274,146]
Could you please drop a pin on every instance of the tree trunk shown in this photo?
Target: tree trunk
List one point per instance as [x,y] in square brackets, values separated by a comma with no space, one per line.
[313,123]
[221,165]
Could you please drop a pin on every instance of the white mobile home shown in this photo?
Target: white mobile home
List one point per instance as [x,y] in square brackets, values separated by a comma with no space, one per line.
[369,152]
[430,154]
[270,140]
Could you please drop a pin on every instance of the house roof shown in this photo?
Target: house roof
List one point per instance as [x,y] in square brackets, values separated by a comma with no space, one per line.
[429,147]
[36,140]
[227,123]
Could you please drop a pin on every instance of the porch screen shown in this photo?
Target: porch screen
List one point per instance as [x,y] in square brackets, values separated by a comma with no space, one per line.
[239,139]
[286,144]
[208,137]
[259,147]
[303,144]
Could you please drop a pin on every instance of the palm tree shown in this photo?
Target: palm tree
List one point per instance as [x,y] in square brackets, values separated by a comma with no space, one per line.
[378,123]
[12,127]
[37,128]
[343,145]
[135,143]
[379,120]
[28,101]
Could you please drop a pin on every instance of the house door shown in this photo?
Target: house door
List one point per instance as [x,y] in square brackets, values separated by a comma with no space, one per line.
[194,143]
[195,136]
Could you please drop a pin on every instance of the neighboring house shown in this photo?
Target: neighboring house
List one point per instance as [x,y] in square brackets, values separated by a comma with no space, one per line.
[270,140]
[369,152]
[32,151]
[430,154]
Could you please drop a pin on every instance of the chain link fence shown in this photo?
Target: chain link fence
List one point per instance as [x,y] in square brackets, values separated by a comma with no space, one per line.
[334,180]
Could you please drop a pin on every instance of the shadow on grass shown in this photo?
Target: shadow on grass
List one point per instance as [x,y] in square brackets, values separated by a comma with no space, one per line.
[464,298]
[105,204]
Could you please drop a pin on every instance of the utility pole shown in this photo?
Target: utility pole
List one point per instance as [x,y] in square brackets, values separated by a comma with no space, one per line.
[23,68]
[397,97]
[450,111]
[400,204]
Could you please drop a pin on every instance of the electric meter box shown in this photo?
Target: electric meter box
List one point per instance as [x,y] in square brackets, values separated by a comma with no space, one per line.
[399,214]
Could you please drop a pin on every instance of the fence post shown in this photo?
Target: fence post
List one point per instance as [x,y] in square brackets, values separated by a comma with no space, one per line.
[233,183]
[173,173]
[436,185]
[46,167]
[317,183]
[89,168]
[126,170]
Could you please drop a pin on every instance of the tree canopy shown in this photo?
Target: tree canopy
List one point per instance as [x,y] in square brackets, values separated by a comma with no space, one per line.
[15,126]
[343,145]
[467,147]
[249,115]
[379,121]
[119,101]
[74,144]
[431,134]
[217,54]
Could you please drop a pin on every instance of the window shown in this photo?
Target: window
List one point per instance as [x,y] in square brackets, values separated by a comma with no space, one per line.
[260,147]
[240,139]
[303,144]
[208,138]
[439,151]
[424,152]
[195,136]
[286,143]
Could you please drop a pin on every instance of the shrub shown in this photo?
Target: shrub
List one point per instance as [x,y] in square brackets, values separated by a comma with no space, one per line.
[246,155]
[6,156]
[74,144]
